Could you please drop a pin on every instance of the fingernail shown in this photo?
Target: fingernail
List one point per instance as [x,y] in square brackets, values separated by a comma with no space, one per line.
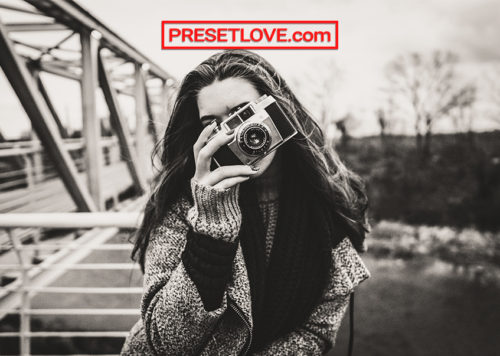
[230,132]
[255,168]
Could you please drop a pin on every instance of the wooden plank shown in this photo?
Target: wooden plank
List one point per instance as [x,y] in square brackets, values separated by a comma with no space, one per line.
[25,88]
[120,127]
[91,123]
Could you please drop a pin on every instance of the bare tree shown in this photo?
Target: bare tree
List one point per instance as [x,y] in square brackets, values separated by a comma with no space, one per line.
[429,86]
[347,124]
[385,117]
[382,121]
[317,88]
[462,113]
[493,87]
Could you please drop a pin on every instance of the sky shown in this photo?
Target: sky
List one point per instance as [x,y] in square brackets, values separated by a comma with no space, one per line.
[371,33]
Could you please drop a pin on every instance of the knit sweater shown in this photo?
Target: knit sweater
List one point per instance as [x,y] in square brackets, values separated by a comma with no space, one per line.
[268,199]
[210,272]
[182,314]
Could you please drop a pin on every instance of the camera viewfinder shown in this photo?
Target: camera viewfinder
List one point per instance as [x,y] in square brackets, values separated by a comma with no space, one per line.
[247,113]
[234,122]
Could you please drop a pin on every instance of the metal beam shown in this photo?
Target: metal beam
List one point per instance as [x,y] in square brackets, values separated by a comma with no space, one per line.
[74,16]
[127,220]
[35,27]
[56,70]
[60,43]
[165,100]
[20,9]
[124,92]
[141,120]
[52,109]
[19,77]
[151,117]
[91,123]
[29,45]
[66,64]
[70,253]
[120,126]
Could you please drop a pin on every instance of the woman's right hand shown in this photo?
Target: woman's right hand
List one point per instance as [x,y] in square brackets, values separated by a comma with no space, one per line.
[223,177]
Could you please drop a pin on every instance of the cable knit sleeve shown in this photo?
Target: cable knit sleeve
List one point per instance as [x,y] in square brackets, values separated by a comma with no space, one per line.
[188,262]
[216,212]
[214,220]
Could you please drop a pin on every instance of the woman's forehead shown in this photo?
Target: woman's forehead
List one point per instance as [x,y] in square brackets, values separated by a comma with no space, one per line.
[220,96]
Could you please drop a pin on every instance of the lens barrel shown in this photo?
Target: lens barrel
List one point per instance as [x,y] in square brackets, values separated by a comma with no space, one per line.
[254,139]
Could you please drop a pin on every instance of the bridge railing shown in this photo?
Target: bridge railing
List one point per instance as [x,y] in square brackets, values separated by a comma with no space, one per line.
[31,166]
[33,279]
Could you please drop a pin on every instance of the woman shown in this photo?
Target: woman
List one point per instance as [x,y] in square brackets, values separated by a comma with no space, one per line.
[246,260]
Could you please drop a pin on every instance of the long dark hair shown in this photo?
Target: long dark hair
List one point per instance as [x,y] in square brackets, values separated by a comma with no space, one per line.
[326,176]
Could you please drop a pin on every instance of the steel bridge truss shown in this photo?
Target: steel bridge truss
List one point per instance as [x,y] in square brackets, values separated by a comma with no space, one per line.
[97,63]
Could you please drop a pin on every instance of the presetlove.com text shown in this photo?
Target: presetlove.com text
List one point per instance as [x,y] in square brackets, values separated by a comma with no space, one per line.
[250,34]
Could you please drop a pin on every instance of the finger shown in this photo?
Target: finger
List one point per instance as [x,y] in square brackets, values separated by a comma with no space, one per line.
[202,139]
[225,172]
[229,182]
[206,152]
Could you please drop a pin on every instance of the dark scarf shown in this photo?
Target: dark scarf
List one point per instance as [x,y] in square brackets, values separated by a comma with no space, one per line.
[283,296]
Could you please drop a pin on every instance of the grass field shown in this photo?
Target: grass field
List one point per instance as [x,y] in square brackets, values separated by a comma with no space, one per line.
[418,308]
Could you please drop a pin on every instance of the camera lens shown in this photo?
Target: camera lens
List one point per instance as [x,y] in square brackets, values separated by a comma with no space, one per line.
[254,139]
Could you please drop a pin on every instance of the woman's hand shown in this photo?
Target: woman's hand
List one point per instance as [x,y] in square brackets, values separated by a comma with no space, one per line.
[222,177]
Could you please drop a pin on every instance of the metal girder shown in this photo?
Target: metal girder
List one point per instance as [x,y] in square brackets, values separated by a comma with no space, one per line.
[20,9]
[165,100]
[66,63]
[57,70]
[35,27]
[29,45]
[45,95]
[141,119]
[91,123]
[127,92]
[151,122]
[61,42]
[74,16]
[120,126]
[24,86]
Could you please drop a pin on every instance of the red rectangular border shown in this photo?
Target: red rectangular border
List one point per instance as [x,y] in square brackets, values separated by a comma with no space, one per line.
[336,23]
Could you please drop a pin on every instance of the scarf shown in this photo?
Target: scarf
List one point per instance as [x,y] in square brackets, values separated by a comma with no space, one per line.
[284,294]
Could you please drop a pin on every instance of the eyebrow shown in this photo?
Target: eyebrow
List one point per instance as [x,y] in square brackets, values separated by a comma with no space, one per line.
[212,117]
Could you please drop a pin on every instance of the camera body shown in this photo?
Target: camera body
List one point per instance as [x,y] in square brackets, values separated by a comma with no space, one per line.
[260,127]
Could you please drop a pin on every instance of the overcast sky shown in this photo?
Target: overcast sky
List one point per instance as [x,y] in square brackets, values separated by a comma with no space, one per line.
[371,34]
